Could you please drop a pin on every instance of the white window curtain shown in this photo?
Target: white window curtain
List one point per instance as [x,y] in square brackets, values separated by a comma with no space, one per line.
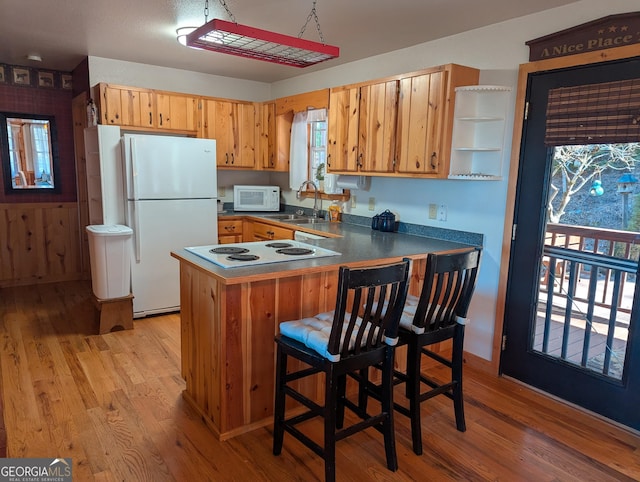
[299,150]
[41,154]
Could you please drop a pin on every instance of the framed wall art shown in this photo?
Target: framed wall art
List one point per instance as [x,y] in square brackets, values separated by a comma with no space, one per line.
[45,79]
[67,82]
[21,76]
[3,77]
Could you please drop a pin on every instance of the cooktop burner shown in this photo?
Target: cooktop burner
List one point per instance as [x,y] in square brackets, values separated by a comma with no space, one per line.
[278,245]
[259,252]
[294,251]
[229,250]
[243,257]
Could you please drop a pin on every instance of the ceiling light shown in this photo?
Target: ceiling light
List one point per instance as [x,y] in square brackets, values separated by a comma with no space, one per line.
[181,34]
[34,57]
[254,43]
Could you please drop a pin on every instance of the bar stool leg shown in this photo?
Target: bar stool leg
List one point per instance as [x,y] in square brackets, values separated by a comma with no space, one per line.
[456,376]
[387,407]
[279,405]
[414,354]
[330,400]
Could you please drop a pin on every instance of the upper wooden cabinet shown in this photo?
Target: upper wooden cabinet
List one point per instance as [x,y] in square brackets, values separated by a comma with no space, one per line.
[425,119]
[398,126]
[176,111]
[268,157]
[125,106]
[233,126]
[421,123]
[138,108]
[361,128]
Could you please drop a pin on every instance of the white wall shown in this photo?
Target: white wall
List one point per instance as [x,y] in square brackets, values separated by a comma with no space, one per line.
[476,206]
[174,80]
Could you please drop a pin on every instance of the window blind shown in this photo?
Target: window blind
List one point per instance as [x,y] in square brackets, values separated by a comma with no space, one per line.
[607,113]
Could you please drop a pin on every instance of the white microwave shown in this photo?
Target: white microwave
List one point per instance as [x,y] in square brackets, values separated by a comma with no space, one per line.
[256,198]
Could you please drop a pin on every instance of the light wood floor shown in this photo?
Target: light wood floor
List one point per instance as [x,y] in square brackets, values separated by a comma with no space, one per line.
[113,404]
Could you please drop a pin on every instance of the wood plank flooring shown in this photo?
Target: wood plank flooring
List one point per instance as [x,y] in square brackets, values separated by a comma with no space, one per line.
[113,404]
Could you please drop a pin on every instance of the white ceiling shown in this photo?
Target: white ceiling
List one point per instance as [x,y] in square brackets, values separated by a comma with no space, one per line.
[64,32]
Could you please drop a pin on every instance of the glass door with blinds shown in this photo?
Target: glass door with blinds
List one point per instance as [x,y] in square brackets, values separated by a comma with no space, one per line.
[573,301]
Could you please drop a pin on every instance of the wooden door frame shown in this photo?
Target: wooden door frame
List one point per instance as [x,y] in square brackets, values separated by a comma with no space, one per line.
[617,53]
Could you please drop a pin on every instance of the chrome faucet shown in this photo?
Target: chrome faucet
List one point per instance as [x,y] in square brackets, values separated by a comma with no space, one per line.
[315,196]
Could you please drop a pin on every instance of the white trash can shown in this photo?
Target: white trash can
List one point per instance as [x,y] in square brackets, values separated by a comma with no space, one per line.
[110,256]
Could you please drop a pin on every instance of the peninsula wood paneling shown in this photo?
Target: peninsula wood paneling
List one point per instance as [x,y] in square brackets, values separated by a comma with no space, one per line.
[229,364]
[39,243]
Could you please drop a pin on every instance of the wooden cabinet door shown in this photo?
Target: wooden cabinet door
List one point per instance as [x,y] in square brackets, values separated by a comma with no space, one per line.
[267,149]
[266,232]
[244,135]
[284,122]
[422,105]
[176,112]
[377,127]
[126,106]
[342,130]
[217,125]
[232,125]
[229,231]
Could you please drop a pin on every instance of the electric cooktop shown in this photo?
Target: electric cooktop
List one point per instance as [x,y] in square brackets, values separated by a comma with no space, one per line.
[260,252]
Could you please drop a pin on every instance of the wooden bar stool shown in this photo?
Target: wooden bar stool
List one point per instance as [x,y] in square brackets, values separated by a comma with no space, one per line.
[359,333]
[439,314]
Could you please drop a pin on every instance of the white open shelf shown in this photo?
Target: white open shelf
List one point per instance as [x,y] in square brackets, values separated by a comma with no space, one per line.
[478,132]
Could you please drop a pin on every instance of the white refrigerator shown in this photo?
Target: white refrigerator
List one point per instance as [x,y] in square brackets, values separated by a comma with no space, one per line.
[170,191]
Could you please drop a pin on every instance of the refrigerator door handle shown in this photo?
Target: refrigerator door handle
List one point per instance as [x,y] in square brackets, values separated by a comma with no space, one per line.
[136,231]
[132,167]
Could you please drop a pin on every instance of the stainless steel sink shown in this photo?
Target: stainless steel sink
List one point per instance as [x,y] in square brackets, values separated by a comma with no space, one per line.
[295,218]
[285,217]
[307,221]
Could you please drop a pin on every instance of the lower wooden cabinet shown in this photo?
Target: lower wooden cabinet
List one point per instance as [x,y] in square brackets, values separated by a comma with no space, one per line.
[258,231]
[229,231]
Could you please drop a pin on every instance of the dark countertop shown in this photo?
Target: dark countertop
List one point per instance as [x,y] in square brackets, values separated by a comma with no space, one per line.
[357,245]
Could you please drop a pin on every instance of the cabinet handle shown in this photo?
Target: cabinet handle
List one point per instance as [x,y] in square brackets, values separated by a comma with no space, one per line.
[230,228]
[271,234]
[233,159]
[226,155]
[360,160]
[150,119]
[328,160]
[161,118]
[434,158]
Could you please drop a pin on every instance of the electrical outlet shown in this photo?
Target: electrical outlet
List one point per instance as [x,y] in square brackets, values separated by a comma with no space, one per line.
[433,211]
[442,212]
[222,192]
[353,202]
[372,204]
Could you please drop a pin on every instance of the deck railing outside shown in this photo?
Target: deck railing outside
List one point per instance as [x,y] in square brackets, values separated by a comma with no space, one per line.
[586,296]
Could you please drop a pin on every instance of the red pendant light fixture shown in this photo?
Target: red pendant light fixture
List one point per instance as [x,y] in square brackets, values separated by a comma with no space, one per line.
[254,43]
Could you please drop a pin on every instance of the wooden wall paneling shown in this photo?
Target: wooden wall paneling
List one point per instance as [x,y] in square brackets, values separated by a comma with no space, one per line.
[40,243]
[79,113]
[61,242]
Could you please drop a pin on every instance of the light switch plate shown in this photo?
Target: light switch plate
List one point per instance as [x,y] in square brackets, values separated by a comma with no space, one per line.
[442,212]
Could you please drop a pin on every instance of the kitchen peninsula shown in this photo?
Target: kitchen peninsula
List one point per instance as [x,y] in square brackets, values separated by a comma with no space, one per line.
[229,318]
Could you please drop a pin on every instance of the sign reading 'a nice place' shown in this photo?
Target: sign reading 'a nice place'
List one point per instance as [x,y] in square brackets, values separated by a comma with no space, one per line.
[605,33]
